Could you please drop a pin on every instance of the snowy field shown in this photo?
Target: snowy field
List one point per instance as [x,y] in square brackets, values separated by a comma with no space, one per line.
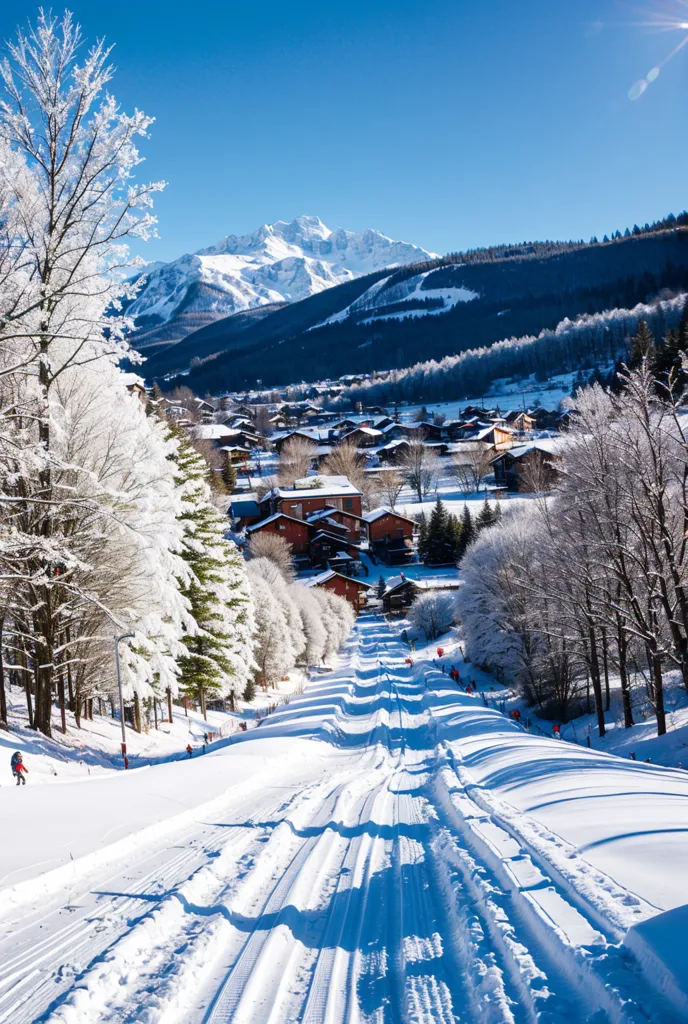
[382,849]
[94,749]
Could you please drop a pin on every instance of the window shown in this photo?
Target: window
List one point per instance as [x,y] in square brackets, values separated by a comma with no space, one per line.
[348,503]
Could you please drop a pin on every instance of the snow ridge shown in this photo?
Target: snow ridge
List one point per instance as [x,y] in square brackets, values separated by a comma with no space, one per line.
[280,262]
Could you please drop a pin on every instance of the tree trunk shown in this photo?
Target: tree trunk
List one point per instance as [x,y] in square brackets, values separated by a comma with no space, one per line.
[155,712]
[61,701]
[169,704]
[623,673]
[605,662]
[77,703]
[659,694]
[203,708]
[3,698]
[27,689]
[596,681]
[137,713]
[70,688]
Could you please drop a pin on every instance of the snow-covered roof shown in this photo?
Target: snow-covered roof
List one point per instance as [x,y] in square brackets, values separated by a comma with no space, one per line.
[378,513]
[369,431]
[131,380]
[316,487]
[549,445]
[328,574]
[443,583]
[213,431]
[271,519]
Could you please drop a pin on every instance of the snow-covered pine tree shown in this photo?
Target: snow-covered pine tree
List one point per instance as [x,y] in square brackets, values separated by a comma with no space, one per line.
[69,202]
[218,659]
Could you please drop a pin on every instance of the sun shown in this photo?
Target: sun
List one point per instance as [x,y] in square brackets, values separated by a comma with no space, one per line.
[668,20]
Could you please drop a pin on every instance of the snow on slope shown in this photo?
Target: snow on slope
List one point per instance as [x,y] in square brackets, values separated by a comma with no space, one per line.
[278,262]
[383,849]
[373,304]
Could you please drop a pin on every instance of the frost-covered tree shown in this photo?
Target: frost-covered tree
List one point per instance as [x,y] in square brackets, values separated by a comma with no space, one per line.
[87,513]
[218,659]
[432,613]
[276,549]
[274,649]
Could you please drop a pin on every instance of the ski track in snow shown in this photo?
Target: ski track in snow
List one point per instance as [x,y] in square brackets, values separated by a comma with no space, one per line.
[391,889]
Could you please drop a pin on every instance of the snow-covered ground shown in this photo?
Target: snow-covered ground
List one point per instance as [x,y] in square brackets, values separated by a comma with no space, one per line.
[382,849]
[94,749]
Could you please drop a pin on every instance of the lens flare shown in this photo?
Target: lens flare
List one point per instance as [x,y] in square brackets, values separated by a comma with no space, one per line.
[670,19]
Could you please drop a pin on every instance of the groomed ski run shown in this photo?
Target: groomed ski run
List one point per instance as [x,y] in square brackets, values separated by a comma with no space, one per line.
[396,854]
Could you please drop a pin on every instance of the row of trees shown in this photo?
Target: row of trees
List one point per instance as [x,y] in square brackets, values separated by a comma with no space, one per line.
[444,538]
[590,340]
[295,624]
[107,523]
[593,580]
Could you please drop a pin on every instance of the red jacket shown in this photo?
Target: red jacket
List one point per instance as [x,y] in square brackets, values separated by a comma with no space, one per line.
[20,767]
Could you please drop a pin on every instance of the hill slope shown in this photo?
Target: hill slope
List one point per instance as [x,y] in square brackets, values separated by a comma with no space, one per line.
[426,311]
[278,263]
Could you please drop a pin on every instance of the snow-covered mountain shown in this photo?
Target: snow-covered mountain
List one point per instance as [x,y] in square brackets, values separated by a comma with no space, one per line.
[280,262]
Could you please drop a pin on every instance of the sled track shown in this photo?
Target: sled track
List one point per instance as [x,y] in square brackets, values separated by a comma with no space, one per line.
[393,890]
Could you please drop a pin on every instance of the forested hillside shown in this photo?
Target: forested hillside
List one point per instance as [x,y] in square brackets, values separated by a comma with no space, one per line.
[433,310]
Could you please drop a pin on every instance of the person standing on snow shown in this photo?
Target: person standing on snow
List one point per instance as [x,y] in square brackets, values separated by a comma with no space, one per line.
[19,769]
[189,749]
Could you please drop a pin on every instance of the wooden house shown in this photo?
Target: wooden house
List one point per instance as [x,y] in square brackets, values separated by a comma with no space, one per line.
[390,535]
[354,591]
[312,494]
[294,531]
[529,467]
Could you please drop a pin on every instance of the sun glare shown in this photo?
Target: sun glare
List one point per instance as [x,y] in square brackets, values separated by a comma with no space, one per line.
[668,20]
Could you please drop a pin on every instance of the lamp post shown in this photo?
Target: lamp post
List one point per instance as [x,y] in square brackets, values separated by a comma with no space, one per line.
[121,636]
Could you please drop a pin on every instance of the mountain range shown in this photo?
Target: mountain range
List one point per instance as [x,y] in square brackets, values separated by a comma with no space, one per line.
[279,263]
[396,317]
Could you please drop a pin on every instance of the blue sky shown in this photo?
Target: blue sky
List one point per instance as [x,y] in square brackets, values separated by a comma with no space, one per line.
[450,123]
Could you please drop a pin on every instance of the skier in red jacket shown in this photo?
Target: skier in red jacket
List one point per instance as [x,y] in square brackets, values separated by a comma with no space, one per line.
[19,769]
[189,750]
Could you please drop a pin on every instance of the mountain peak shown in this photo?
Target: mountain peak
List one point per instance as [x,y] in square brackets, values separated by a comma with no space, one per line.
[284,261]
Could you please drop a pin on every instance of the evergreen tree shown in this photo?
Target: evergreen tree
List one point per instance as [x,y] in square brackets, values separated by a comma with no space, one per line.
[381,586]
[486,517]
[443,535]
[467,534]
[218,659]
[643,345]
[422,537]
[229,475]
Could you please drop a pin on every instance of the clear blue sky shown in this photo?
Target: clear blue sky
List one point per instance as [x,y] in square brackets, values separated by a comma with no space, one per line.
[450,123]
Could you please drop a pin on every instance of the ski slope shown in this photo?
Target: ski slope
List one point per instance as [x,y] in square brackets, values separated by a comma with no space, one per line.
[382,849]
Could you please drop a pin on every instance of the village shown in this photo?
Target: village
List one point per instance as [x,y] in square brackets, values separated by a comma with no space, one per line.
[348,493]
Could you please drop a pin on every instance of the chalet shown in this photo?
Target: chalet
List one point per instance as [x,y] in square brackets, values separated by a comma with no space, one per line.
[356,527]
[330,550]
[399,595]
[528,467]
[422,431]
[519,421]
[393,452]
[499,437]
[215,433]
[294,531]
[364,437]
[236,453]
[135,386]
[312,494]
[354,591]
[400,591]
[279,440]
[246,513]
[390,535]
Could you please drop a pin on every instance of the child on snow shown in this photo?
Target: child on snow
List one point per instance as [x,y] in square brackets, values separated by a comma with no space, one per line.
[19,769]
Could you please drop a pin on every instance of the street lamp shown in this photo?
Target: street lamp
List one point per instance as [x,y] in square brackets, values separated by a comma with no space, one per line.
[122,636]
